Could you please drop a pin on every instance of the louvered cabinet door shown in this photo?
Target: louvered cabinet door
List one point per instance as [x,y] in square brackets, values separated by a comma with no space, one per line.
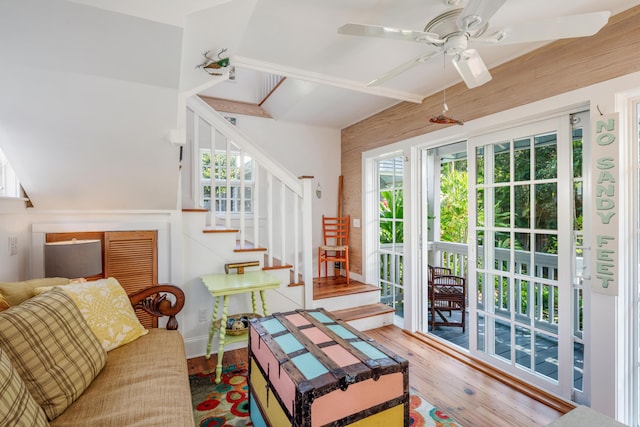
[132,258]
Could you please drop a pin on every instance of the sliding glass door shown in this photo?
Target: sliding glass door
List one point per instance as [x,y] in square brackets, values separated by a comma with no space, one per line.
[525,227]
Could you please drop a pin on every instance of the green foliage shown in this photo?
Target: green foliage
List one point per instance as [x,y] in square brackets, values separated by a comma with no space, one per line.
[391,215]
[454,212]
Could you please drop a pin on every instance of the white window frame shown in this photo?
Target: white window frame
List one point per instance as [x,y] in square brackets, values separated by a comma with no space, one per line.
[234,186]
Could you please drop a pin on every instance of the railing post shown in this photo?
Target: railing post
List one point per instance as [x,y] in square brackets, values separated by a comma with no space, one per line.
[307,240]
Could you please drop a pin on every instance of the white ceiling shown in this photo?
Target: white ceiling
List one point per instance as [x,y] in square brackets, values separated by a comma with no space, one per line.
[328,72]
[91,89]
[298,38]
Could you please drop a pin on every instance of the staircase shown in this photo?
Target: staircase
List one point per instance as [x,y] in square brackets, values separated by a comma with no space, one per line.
[276,230]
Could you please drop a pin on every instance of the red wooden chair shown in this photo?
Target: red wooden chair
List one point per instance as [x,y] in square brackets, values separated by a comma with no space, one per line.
[335,243]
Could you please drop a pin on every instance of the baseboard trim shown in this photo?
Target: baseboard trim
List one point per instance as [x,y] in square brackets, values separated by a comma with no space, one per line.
[556,402]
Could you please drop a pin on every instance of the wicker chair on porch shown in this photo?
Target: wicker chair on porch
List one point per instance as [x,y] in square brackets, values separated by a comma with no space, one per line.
[447,293]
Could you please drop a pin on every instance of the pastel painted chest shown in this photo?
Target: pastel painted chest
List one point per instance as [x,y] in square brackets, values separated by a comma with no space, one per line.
[308,369]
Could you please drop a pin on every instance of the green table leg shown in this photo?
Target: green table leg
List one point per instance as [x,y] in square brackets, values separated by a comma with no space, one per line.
[223,334]
[253,302]
[212,329]
[264,303]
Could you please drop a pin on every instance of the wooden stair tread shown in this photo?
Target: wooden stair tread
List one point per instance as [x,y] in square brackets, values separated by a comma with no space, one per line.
[195,210]
[330,287]
[362,312]
[219,229]
[248,247]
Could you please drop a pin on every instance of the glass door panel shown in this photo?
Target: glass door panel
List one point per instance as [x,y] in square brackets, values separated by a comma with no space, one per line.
[390,173]
[521,267]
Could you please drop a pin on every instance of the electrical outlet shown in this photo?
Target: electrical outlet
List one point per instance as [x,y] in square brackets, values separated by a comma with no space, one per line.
[13,245]
[202,315]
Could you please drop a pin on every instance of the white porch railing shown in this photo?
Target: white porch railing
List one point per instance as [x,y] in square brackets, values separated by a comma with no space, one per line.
[280,218]
[540,299]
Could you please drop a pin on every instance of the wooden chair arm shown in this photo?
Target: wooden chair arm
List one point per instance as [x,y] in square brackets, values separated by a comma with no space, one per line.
[154,301]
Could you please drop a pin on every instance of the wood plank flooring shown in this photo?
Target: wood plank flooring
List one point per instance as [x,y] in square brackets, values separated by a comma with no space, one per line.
[471,397]
[332,286]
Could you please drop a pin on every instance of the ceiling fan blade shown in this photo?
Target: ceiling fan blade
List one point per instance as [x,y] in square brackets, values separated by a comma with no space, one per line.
[401,69]
[471,68]
[477,13]
[389,33]
[583,25]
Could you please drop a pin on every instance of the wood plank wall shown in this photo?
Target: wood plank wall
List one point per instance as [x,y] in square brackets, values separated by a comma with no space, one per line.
[551,70]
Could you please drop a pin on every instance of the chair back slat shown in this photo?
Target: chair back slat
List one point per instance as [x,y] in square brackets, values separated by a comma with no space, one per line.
[447,293]
[335,230]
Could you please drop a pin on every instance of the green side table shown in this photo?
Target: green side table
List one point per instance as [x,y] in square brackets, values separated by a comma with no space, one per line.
[221,287]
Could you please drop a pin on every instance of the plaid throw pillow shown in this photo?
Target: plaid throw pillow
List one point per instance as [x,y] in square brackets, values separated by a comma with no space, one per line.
[52,348]
[17,407]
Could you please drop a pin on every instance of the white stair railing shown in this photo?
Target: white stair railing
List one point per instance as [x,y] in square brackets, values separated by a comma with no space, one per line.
[285,225]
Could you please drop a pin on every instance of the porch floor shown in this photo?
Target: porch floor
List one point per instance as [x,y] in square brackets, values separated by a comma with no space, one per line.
[546,347]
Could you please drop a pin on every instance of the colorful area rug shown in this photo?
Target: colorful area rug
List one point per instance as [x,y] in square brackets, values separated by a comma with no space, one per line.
[227,404]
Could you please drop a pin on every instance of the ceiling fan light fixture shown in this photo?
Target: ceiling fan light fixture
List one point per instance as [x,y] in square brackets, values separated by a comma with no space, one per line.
[471,68]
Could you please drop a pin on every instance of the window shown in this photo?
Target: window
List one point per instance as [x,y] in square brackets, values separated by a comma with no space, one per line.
[233,173]
[391,231]
[9,184]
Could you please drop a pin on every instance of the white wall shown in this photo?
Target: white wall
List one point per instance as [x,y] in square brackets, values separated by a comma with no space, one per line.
[88,99]
[304,150]
[14,223]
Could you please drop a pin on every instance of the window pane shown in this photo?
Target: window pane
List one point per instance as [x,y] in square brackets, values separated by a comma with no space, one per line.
[523,347]
[546,350]
[522,246]
[546,156]
[577,153]
[480,209]
[502,339]
[546,213]
[522,199]
[522,159]
[480,165]
[502,207]
[577,204]
[502,162]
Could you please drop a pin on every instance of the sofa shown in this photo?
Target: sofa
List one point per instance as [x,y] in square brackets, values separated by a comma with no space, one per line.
[73,355]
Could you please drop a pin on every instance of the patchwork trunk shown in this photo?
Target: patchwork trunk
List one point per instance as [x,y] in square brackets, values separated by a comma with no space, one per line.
[308,369]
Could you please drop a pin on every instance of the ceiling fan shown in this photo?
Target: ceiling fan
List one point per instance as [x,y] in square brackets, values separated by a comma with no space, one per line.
[453,31]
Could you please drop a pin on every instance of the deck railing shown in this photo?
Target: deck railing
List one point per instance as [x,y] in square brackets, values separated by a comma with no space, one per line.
[537,299]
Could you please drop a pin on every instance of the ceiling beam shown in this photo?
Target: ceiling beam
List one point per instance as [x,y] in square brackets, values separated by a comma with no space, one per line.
[295,73]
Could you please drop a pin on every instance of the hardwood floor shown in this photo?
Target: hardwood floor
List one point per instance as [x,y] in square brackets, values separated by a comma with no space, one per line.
[470,396]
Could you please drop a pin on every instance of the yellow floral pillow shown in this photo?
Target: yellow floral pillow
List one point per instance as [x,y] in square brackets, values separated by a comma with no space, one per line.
[108,311]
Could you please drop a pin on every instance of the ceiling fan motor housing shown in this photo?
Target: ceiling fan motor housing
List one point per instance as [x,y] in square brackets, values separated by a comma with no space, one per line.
[454,45]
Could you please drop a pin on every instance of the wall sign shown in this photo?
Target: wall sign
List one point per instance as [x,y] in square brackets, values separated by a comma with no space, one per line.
[605,179]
